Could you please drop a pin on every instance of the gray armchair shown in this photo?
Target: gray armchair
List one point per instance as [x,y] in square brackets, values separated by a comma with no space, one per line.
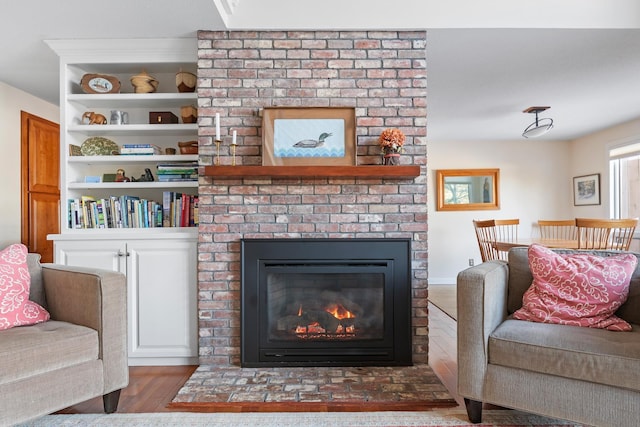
[586,375]
[81,353]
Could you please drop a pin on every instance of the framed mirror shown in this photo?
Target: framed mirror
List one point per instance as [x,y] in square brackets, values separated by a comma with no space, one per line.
[467,189]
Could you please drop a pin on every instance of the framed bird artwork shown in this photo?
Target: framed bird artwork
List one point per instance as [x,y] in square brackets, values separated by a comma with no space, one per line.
[308,136]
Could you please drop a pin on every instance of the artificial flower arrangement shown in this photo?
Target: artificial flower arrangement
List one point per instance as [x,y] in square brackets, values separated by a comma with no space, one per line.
[391,141]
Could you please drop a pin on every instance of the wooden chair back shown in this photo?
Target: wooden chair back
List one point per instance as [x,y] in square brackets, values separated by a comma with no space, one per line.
[506,231]
[564,229]
[615,234]
[486,235]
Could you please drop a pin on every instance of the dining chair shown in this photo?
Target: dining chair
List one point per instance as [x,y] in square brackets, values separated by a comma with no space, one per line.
[563,229]
[615,234]
[507,230]
[486,235]
[493,230]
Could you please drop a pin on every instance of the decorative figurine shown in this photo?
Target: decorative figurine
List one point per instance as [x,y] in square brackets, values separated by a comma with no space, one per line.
[120,177]
[147,176]
[94,118]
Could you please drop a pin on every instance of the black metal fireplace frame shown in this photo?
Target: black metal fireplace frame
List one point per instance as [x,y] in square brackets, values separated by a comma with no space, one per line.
[390,257]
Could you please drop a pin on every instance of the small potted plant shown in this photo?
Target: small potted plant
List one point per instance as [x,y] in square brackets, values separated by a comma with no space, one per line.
[391,144]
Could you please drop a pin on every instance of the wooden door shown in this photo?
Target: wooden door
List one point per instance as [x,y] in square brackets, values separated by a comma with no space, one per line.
[40,183]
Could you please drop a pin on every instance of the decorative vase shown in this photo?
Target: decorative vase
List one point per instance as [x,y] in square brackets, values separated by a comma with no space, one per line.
[391,159]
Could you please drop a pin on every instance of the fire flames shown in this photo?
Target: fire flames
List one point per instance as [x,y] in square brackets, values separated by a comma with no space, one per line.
[339,312]
[336,310]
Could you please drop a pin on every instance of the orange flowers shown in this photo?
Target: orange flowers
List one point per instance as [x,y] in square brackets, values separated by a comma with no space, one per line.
[391,141]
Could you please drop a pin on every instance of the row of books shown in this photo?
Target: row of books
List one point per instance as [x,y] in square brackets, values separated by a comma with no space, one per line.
[175,210]
[177,171]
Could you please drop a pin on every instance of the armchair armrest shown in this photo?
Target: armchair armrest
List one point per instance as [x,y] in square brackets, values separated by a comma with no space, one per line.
[482,306]
[96,299]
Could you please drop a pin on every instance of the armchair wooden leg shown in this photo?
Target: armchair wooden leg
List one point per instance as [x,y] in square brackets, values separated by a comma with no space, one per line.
[110,401]
[474,410]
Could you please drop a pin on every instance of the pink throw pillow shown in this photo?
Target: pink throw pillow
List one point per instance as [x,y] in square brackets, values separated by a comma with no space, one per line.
[577,289]
[15,282]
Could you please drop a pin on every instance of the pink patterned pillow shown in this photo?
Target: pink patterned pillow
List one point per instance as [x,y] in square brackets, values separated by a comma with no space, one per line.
[577,289]
[15,281]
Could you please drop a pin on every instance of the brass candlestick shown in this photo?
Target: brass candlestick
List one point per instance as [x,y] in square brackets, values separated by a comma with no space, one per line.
[217,161]
[233,154]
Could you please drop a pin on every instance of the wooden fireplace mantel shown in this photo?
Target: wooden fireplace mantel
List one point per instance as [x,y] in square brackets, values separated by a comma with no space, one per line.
[368,171]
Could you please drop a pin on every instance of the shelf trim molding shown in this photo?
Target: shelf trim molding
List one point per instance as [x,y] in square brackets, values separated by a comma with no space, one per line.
[169,50]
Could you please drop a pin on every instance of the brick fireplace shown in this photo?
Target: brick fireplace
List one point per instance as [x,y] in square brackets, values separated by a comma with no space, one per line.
[380,73]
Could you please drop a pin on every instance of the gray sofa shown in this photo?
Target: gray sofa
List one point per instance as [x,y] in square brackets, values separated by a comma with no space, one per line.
[585,375]
[79,354]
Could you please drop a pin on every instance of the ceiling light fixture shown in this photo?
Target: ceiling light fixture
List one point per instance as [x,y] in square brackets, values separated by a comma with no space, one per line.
[540,126]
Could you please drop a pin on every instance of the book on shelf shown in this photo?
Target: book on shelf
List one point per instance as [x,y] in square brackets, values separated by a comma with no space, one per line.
[180,167]
[140,149]
[181,171]
[144,145]
[177,178]
[179,163]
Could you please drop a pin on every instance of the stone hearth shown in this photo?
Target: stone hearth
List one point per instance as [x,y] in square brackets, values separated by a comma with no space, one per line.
[399,388]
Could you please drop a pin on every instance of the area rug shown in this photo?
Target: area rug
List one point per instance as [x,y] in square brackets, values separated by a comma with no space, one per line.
[312,389]
[444,297]
[287,419]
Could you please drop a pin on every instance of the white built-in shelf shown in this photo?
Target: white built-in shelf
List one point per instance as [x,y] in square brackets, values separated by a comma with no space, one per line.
[135,129]
[128,185]
[119,159]
[134,100]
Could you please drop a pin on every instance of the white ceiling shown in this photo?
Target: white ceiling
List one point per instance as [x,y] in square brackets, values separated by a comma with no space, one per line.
[581,58]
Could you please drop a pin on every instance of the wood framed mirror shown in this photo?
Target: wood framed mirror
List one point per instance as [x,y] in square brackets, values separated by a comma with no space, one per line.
[467,189]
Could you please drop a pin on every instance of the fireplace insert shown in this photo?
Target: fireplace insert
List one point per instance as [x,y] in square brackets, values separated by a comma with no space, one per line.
[326,302]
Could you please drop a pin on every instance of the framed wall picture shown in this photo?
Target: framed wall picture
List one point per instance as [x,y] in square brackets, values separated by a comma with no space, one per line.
[586,190]
[308,136]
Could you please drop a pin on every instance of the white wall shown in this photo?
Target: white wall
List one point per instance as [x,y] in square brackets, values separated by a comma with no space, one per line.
[12,101]
[590,155]
[535,183]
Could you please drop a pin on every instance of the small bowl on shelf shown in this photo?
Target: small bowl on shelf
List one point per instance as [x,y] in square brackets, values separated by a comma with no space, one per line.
[188,147]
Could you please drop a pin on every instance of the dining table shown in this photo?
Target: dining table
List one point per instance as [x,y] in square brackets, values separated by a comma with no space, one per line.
[504,246]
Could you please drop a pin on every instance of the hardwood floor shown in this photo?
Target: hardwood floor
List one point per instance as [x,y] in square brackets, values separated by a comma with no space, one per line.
[151,388]
[443,336]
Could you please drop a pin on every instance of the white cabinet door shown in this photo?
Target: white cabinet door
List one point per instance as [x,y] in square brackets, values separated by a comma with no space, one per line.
[105,254]
[162,299]
[161,293]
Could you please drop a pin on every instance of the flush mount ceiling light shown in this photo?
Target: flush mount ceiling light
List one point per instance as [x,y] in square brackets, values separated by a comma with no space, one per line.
[540,126]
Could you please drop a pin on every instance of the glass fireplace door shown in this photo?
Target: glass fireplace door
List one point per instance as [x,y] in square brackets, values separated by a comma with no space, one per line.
[308,304]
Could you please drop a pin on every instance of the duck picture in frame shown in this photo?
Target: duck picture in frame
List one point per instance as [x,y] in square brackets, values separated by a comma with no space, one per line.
[305,136]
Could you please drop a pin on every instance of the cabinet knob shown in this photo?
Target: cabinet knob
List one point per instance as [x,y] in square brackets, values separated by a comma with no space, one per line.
[121,254]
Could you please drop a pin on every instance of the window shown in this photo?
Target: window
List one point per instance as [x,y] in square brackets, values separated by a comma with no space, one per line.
[624,178]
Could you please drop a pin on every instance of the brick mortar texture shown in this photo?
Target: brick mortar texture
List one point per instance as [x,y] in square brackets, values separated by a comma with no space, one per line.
[382,74]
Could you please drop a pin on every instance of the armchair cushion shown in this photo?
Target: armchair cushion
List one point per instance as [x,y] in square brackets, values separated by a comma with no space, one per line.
[45,347]
[588,354]
[15,307]
[577,289]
